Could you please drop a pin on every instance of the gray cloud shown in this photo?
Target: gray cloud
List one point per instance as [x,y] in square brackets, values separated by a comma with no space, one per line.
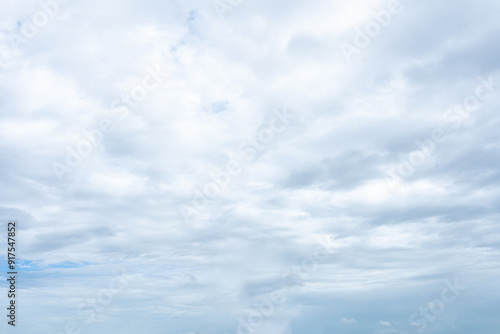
[325,175]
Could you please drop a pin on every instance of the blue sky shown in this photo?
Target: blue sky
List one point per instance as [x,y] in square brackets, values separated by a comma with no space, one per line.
[220,167]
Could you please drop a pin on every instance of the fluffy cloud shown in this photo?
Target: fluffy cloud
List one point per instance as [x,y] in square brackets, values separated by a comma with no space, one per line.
[352,208]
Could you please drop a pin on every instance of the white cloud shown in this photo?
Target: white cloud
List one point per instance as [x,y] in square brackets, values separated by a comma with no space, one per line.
[325,175]
[385,323]
[348,321]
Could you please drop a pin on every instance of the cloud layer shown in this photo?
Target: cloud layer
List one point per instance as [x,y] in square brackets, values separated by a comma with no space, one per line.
[226,167]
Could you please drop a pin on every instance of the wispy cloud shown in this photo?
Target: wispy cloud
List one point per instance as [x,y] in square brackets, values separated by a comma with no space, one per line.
[209,132]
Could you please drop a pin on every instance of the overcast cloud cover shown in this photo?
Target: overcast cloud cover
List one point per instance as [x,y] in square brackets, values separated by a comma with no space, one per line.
[305,167]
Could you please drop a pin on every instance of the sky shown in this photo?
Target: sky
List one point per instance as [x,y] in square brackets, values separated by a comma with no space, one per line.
[251,166]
